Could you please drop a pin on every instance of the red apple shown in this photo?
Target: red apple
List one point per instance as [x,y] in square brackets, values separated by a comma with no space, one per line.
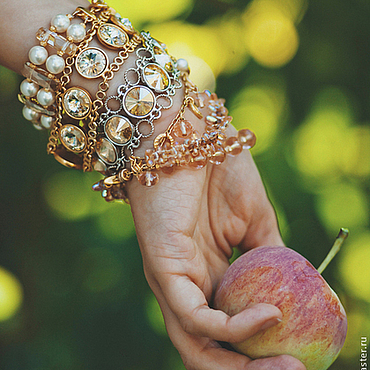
[314,324]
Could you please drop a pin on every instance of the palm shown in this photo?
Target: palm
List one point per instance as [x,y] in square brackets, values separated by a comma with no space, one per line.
[187,226]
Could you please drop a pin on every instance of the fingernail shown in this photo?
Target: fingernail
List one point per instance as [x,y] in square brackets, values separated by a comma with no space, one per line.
[270,323]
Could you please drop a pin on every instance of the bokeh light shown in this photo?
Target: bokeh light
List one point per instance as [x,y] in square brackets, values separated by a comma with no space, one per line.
[324,143]
[11,294]
[260,107]
[270,33]
[343,205]
[354,267]
[151,10]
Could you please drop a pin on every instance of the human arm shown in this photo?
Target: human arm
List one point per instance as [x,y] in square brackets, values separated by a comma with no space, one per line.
[187,226]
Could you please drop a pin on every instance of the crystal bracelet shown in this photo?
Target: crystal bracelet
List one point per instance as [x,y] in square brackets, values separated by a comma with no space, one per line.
[91,133]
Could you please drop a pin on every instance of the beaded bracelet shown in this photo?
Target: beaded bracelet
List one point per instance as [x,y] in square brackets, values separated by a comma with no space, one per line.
[89,133]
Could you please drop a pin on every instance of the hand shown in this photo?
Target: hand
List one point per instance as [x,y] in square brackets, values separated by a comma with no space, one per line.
[187,225]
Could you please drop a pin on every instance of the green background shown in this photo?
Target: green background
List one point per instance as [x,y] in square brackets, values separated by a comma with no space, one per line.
[72,290]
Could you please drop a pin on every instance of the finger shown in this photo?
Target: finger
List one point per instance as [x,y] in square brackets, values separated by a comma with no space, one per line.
[283,362]
[204,354]
[190,306]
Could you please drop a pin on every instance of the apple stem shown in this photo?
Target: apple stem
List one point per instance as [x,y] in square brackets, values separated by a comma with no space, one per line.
[343,233]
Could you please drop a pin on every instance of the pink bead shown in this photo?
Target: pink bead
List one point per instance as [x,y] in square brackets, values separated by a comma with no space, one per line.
[232,146]
[247,138]
[148,178]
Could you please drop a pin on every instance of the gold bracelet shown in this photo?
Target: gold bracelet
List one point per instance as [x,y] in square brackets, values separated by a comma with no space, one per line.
[90,133]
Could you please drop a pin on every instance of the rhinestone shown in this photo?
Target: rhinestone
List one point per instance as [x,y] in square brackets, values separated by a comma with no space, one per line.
[91,63]
[156,77]
[106,151]
[118,129]
[123,23]
[139,101]
[73,138]
[77,103]
[112,35]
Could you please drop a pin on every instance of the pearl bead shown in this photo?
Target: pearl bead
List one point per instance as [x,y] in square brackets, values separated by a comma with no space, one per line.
[45,97]
[38,55]
[30,114]
[29,88]
[61,23]
[76,32]
[182,65]
[37,126]
[55,64]
[47,121]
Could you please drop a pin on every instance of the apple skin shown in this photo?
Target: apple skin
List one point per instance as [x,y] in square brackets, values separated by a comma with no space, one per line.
[314,324]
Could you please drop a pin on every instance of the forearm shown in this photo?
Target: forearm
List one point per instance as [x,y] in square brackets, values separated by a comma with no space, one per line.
[19,21]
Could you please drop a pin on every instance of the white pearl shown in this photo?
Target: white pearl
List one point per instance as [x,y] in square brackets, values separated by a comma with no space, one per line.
[182,65]
[61,22]
[55,64]
[37,126]
[45,97]
[30,114]
[38,55]
[76,32]
[29,88]
[47,121]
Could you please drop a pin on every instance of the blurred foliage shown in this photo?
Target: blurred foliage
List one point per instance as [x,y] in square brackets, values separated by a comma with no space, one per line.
[72,290]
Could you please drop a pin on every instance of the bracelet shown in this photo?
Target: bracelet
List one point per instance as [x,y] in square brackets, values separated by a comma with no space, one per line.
[102,132]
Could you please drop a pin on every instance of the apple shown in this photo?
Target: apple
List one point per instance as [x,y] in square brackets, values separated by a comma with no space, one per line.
[314,324]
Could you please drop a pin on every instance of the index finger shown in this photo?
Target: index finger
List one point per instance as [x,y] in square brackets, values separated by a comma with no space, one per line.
[189,304]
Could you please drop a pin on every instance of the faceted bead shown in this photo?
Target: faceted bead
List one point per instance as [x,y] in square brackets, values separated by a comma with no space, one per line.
[218,155]
[198,162]
[40,77]
[211,120]
[151,157]
[182,129]
[73,138]
[232,146]
[55,41]
[148,178]
[247,138]
[106,151]
[39,108]
[118,129]
[99,186]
